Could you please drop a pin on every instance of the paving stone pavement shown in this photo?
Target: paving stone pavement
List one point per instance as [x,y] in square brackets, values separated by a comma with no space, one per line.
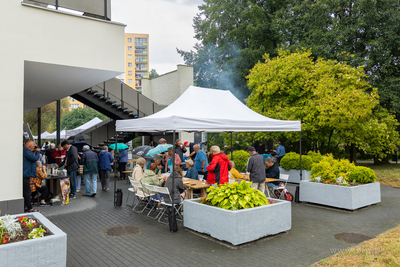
[85,220]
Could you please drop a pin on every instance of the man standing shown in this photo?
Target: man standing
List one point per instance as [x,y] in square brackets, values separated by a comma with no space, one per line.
[272,171]
[90,162]
[280,152]
[219,167]
[260,148]
[49,154]
[190,153]
[179,149]
[29,171]
[200,161]
[123,160]
[105,160]
[71,164]
[256,168]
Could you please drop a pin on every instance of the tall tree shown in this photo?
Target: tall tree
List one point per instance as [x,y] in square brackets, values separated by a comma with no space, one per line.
[153,74]
[79,116]
[233,36]
[332,100]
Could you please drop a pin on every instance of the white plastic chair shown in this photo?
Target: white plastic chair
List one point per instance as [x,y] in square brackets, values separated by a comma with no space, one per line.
[177,206]
[141,195]
[152,189]
[130,190]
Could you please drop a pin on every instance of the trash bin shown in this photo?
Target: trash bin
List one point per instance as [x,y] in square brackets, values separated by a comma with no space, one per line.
[395,157]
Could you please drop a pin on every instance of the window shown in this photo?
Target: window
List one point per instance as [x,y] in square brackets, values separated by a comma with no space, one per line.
[73,106]
[130,72]
[129,40]
[140,41]
[129,56]
[129,64]
[129,48]
[129,80]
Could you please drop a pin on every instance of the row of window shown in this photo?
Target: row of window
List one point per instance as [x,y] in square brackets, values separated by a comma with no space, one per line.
[138,49]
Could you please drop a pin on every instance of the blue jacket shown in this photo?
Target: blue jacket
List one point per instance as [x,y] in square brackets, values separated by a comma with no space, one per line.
[105,160]
[280,151]
[273,172]
[29,162]
[192,173]
[123,156]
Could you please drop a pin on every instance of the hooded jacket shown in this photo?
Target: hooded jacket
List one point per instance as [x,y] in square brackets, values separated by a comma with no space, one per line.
[218,169]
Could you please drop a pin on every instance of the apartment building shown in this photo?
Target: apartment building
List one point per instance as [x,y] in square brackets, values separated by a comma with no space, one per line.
[136,60]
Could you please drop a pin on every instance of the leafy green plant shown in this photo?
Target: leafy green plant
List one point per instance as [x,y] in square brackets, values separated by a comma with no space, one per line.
[362,175]
[37,233]
[235,196]
[292,161]
[315,157]
[240,157]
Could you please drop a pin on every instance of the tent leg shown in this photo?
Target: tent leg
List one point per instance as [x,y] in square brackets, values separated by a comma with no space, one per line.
[231,147]
[301,169]
[173,183]
[39,116]
[115,166]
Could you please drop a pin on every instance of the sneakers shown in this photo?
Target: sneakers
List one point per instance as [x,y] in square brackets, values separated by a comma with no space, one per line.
[72,197]
[77,190]
[93,195]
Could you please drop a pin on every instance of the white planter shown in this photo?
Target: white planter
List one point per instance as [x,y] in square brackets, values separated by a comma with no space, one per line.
[46,251]
[294,175]
[345,197]
[240,226]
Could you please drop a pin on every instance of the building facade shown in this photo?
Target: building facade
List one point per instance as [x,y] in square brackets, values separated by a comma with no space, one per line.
[136,60]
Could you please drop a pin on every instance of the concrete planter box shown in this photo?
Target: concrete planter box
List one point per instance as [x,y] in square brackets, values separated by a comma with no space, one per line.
[294,175]
[240,226]
[344,197]
[46,251]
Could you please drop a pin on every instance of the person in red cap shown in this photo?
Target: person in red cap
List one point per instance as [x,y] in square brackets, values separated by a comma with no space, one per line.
[190,153]
[256,168]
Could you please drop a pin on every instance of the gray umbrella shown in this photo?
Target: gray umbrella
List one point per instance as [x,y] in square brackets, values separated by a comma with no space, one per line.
[141,151]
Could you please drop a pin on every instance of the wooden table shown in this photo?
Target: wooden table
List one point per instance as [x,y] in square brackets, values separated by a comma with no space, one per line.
[192,184]
[56,183]
[132,160]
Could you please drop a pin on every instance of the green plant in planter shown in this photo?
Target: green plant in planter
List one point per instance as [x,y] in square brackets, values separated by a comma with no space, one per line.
[315,157]
[329,169]
[235,196]
[361,175]
[240,157]
[292,161]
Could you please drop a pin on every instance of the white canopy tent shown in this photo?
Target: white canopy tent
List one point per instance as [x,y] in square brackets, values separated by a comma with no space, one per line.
[64,134]
[209,110]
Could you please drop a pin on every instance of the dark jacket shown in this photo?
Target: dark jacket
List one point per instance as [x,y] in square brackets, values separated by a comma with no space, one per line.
[29,162]
[256,168]
[273,172]
[71,157]
[179,188]
[191,150]
[192,173]
[218,169]
[180,151]
[90,162]
[49,155]
[123,156]
[105,160]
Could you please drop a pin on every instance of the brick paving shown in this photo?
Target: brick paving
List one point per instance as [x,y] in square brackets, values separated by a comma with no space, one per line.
[85,220]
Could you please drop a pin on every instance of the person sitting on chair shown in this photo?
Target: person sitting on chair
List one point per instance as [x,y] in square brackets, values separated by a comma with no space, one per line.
[192,173]
[272,171]
[179,189]
[235,173]
[36,183]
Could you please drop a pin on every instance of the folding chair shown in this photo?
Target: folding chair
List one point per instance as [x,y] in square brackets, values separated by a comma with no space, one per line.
[151,188]
[165,192]
[130,190]
[201,177]
[141,195]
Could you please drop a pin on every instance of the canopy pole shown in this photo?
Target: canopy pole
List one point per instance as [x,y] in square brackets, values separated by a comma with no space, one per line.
[301,170]
[115,165]
[39,122]
[58,121]
[231,147]
[173,181]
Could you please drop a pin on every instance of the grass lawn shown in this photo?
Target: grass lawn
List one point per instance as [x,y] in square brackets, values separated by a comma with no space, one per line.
[387,174]
[384,250]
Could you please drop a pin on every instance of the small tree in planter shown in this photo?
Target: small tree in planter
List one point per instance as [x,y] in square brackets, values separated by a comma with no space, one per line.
[290,163]
[330,185]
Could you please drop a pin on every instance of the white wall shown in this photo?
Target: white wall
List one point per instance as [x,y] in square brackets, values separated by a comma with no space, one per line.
[40,35]
[166,88]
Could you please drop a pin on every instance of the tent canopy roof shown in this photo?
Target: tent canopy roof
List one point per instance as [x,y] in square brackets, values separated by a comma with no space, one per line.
[209,110]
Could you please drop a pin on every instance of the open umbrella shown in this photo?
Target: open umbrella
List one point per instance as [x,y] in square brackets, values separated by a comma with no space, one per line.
[158,149]
[79,137]
[79,145]
[141,151]
[119,146]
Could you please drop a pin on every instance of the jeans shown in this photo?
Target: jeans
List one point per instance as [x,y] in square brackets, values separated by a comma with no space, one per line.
[27,193]
[104,178]
[78,181]
[122,167]
[90,183]
[272,185]
[73,182]
[258,186]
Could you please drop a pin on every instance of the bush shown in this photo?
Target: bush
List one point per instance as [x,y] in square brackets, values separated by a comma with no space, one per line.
[235,196]
[292,161]
[240,157]
[329,169]
[361,175]
[315,157]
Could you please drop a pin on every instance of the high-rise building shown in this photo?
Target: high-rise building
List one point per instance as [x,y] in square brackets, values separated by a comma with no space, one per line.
[136,60]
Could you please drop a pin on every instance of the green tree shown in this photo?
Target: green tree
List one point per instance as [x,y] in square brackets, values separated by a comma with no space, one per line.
[233,36]
[48,117]
[332,99]
[79,116]
[153,74]
[367,29]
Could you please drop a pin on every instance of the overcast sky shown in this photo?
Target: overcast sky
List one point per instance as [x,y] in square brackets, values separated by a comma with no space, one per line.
[169,24]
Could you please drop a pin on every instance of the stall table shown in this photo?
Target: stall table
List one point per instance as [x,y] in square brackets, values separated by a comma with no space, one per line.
[52,179]
[192,184]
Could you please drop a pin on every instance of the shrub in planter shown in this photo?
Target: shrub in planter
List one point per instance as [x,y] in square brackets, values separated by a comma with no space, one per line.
[315,157]
[292,161]
[361,175]
[235,196]
[240,157]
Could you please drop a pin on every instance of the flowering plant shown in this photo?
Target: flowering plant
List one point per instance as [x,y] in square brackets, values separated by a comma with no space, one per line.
[9,229]
[37,232]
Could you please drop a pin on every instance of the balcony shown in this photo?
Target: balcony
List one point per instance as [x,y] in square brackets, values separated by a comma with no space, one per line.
[140,52]
[98,9]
